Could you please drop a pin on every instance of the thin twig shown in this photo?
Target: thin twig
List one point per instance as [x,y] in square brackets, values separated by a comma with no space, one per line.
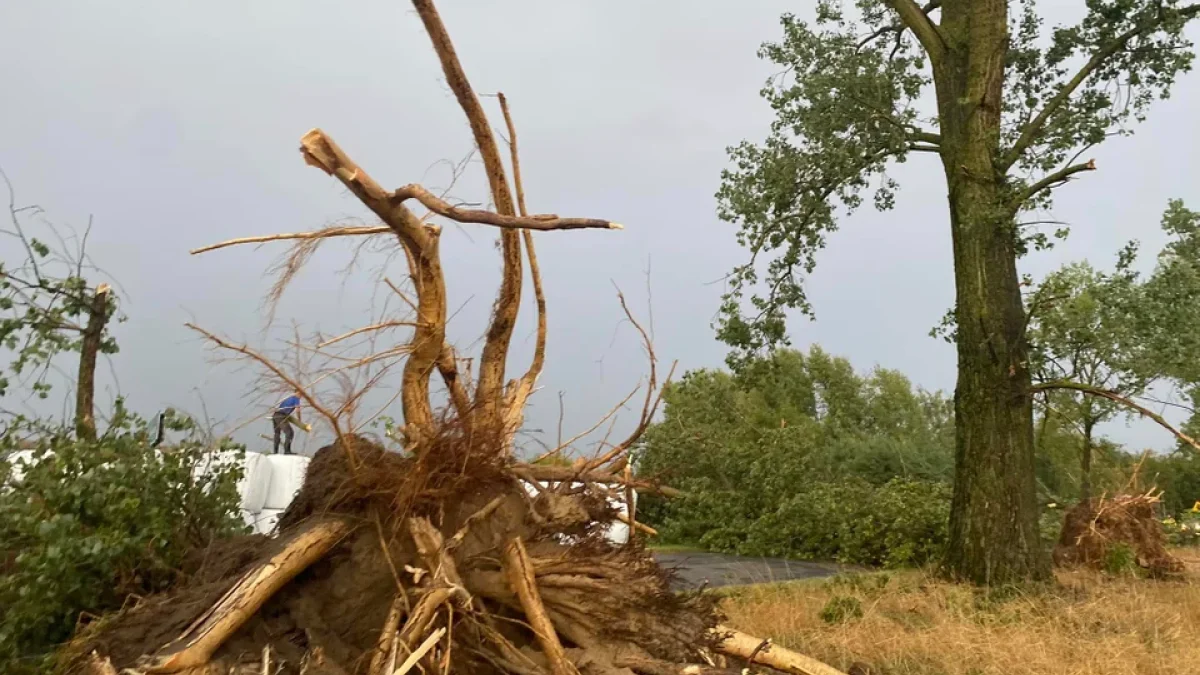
[319,234]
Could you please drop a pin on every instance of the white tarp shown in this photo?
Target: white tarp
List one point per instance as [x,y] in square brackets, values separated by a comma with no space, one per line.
[287,476]
[19,460]
[256,476]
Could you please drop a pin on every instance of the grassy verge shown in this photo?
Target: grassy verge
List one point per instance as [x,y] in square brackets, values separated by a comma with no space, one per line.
[911,624]
[673,548]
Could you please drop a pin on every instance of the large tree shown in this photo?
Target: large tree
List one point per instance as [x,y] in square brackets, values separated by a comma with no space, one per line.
[1012,108]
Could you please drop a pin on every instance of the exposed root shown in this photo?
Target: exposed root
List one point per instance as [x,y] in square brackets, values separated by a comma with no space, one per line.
[519,585]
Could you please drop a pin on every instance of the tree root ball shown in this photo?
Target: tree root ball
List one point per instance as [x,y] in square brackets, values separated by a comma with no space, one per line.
[1096,533]
[426,544]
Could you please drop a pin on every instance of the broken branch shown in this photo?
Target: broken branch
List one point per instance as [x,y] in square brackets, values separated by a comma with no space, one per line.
[197,645]
[743,646]
[1117,398]
[1054,180]
[542,221]
[319,234]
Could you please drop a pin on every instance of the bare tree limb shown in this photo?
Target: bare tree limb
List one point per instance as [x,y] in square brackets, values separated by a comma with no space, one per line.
[1117,398]
[420,242]
[489,392]
[741,645]
[1053,180]
[319,234]
[923,27]
[365,329]
[289,380]
[654,395]
[546,221]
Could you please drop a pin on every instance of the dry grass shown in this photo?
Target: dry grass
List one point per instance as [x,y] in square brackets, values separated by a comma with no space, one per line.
[914,625]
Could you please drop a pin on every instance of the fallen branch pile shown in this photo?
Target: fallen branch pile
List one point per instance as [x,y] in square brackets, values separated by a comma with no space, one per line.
[438,558]
[1094,529]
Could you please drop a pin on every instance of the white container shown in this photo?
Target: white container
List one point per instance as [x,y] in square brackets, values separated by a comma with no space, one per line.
[256,476]
[19,460]
[287,477]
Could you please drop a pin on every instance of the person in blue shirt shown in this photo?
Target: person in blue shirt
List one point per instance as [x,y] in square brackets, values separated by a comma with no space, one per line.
[280,420]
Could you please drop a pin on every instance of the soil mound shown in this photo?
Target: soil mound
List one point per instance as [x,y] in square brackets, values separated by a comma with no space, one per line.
[1096,530]
[406,548]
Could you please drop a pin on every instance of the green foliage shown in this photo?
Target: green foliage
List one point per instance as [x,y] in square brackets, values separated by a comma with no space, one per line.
[45,298]
[91,523]
[1120,559]
[841,609]
[899,524]
[797,455]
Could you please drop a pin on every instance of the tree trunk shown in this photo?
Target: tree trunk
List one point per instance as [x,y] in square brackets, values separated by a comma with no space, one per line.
[993,519]
[1085,461]
[89,350]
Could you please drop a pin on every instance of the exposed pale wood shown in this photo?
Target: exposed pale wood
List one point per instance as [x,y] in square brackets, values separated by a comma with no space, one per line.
[423,614]
[197,645]
[521,578]
[639,526]
[420,243]
[743,646]
[387,636]
[327,233]
[100,665]
[420,652]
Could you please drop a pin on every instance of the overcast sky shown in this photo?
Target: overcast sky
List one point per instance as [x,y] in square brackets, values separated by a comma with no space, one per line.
[177,125]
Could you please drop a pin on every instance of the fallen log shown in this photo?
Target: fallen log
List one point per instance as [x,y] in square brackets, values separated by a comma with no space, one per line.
[198,643]
[744,646]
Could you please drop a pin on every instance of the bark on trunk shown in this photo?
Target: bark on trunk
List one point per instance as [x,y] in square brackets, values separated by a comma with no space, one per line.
[993,520]
[89,350]
[1085,461]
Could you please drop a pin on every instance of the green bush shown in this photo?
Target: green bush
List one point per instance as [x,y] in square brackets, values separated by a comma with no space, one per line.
[91,523]
[1121,559]
[841,609]
[899,524]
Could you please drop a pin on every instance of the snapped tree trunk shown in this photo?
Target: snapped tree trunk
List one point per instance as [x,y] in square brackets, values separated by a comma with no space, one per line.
[993,519]
[89,351]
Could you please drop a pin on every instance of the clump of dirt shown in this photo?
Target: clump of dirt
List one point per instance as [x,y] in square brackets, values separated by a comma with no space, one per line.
[1098,530]
[433,536]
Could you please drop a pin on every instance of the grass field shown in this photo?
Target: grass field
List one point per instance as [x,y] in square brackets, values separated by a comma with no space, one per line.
[910,624]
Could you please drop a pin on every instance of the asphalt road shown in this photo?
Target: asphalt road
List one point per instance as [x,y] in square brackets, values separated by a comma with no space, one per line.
[694,568]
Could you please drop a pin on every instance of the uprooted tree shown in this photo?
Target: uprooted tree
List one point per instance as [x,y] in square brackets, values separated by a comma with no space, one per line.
[450,555]
[1014,109]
